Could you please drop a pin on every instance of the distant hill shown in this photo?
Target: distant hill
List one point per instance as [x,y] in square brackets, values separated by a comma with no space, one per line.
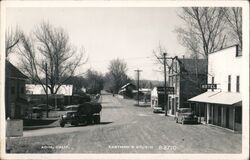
[148,83]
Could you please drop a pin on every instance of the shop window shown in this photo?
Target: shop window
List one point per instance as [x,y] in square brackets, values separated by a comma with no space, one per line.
[238,84]
[229,83]
[238,115]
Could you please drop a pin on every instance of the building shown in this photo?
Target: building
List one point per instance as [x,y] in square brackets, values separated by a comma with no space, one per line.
[127,90]
[16,105]
[157,99]
[223,100]
[37,95]
[144,94]
[186,77]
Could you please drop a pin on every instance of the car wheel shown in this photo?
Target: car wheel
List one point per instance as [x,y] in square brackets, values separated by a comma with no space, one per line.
[62,124]
[89,119]
[97,119]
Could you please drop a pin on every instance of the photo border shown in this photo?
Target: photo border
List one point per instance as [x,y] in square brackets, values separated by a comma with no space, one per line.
[68,4]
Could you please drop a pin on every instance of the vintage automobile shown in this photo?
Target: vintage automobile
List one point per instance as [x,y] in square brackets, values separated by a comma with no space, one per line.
[86,113]
[185,115]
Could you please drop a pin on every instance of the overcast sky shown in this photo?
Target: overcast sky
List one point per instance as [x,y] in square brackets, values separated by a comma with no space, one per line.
[108,33]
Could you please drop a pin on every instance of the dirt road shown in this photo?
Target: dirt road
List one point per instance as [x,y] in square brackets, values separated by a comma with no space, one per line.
[126,128]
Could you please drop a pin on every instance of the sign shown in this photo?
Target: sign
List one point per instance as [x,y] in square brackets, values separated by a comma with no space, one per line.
[169,90]
[14,128]
[209,86]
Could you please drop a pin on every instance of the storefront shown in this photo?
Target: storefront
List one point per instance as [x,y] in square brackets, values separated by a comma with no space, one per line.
[223,109]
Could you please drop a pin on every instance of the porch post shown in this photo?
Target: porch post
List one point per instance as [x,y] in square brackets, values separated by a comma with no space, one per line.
[208,115]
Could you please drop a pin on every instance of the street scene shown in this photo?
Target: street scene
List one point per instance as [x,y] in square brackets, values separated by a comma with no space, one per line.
[100,80]
[126,128]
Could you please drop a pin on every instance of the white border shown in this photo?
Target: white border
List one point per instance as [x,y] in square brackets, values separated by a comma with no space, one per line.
[245,111]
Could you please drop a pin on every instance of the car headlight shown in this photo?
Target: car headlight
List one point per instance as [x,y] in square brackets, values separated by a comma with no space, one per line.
[64,116]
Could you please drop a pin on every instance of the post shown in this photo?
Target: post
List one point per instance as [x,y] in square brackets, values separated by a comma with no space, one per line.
[138,84]
[165,85]
[47,96]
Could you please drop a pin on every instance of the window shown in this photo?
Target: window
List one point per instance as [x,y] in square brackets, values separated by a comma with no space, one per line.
[13,90]
[22,90]
[212,82]
[229,83]
[238,84]
[238,115]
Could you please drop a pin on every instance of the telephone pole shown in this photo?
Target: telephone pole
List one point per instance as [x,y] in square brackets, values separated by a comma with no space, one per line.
[165,81]
[138,84]
[165,85]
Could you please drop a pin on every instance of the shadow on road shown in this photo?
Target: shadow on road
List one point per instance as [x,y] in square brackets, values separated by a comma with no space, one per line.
[107,107]
[142,105]
[82,125]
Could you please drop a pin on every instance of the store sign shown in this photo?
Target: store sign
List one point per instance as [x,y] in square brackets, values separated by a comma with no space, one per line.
[169,90]
[209,86]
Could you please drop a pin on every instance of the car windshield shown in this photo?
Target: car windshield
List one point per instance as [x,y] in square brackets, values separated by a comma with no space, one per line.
[72,108]
[70,113]
[185,110]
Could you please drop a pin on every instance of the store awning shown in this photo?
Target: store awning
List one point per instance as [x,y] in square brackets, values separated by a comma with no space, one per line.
[226,98]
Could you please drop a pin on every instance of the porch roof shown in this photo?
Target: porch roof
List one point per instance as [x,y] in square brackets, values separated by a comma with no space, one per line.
[226,98]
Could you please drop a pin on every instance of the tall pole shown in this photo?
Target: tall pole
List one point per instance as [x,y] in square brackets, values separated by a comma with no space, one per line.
[165,106]
[138,84]
[165,84]
[47,96]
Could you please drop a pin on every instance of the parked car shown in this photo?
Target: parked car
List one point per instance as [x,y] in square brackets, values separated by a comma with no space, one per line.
[185,115]
[44,107]
[86,113]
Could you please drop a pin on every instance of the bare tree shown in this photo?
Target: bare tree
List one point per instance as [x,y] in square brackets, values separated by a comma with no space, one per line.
[12,38]
[117,76]
[205,30]
[234,18]
[49,47]
[94,81]
[158,56]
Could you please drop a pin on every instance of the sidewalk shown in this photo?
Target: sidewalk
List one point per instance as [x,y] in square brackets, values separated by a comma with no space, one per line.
[54,123]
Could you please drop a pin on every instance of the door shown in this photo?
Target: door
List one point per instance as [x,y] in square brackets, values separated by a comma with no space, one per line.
[227,117]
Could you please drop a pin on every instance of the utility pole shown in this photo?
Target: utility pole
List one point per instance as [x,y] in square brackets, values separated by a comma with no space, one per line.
[165,85]
[165,81]
[47,96]
[138,84]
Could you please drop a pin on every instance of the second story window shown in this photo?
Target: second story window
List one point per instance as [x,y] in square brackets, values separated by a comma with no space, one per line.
[238,84]
[212,82]
[229,84]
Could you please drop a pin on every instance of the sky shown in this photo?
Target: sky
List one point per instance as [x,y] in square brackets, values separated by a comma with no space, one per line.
[108,33]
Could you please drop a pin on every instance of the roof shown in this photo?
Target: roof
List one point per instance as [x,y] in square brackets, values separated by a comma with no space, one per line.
[226,98]
[190,65]
[14,72]
[127,85]
[33,89]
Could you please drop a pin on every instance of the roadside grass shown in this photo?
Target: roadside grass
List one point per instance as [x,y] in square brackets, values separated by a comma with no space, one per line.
[38,144]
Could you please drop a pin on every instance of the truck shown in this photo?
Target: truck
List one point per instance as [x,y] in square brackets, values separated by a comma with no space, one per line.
[86,113]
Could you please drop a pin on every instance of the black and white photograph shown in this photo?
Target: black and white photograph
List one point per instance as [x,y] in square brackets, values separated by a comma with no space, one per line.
[124,80]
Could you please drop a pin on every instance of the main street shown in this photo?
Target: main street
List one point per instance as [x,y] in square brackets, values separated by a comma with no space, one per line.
[126,128]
